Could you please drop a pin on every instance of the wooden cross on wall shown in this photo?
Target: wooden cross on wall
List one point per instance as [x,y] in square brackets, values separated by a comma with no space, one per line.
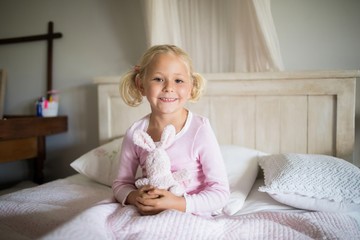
[49,37]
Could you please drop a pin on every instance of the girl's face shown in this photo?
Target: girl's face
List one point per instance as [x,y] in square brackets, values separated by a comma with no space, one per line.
[167,84]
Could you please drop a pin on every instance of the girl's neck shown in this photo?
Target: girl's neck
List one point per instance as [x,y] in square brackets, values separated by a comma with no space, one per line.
[157,123]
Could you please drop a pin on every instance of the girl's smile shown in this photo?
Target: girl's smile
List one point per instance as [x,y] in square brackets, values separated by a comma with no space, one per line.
[168,99]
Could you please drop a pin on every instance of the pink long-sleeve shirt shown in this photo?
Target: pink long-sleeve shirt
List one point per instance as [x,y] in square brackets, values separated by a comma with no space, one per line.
[195,149]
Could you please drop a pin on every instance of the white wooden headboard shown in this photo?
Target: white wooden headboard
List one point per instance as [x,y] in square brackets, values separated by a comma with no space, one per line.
[303,112]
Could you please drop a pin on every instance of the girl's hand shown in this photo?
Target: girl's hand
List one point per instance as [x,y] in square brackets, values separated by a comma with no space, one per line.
[154,200]
[142,193]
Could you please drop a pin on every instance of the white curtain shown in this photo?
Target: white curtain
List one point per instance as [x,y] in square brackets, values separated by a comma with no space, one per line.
[220,36]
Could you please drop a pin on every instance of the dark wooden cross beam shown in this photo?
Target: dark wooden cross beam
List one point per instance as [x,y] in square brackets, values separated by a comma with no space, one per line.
[49,37]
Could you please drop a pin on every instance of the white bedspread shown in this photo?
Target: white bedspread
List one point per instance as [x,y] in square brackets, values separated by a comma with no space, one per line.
[81,209]
[34,212]
[111,221]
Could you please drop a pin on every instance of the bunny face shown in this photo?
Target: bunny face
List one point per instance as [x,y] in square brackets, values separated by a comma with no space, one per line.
[158,162]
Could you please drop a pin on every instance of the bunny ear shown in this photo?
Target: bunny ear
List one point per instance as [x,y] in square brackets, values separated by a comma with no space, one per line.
[143,140]
[168,136]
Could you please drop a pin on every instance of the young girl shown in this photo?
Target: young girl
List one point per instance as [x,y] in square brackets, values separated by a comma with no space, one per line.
[165,77]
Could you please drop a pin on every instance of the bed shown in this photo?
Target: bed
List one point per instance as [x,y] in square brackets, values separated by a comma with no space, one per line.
[287,139]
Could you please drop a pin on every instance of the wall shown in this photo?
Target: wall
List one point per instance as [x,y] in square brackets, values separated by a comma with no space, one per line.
[107,37]
[320,35]
[99,38]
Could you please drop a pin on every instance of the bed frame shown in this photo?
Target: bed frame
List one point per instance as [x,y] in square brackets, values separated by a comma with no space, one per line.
[302,112]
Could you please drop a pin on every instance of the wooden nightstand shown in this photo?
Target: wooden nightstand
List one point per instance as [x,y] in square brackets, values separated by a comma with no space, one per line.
[23,137]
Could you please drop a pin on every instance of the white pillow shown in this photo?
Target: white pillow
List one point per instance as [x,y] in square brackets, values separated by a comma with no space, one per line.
[312,182]
[242,169]
[100,164]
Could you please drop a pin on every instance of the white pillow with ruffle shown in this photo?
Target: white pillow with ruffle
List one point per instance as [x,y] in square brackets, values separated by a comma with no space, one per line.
[312,182]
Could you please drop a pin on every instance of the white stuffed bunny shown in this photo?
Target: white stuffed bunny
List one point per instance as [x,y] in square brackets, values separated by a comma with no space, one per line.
[157,164]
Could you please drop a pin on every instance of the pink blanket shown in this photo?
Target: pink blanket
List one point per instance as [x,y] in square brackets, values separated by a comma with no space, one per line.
[34,212]
[126,223]
[111,221]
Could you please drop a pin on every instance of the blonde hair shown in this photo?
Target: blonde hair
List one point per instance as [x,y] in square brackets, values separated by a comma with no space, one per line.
[131,94]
